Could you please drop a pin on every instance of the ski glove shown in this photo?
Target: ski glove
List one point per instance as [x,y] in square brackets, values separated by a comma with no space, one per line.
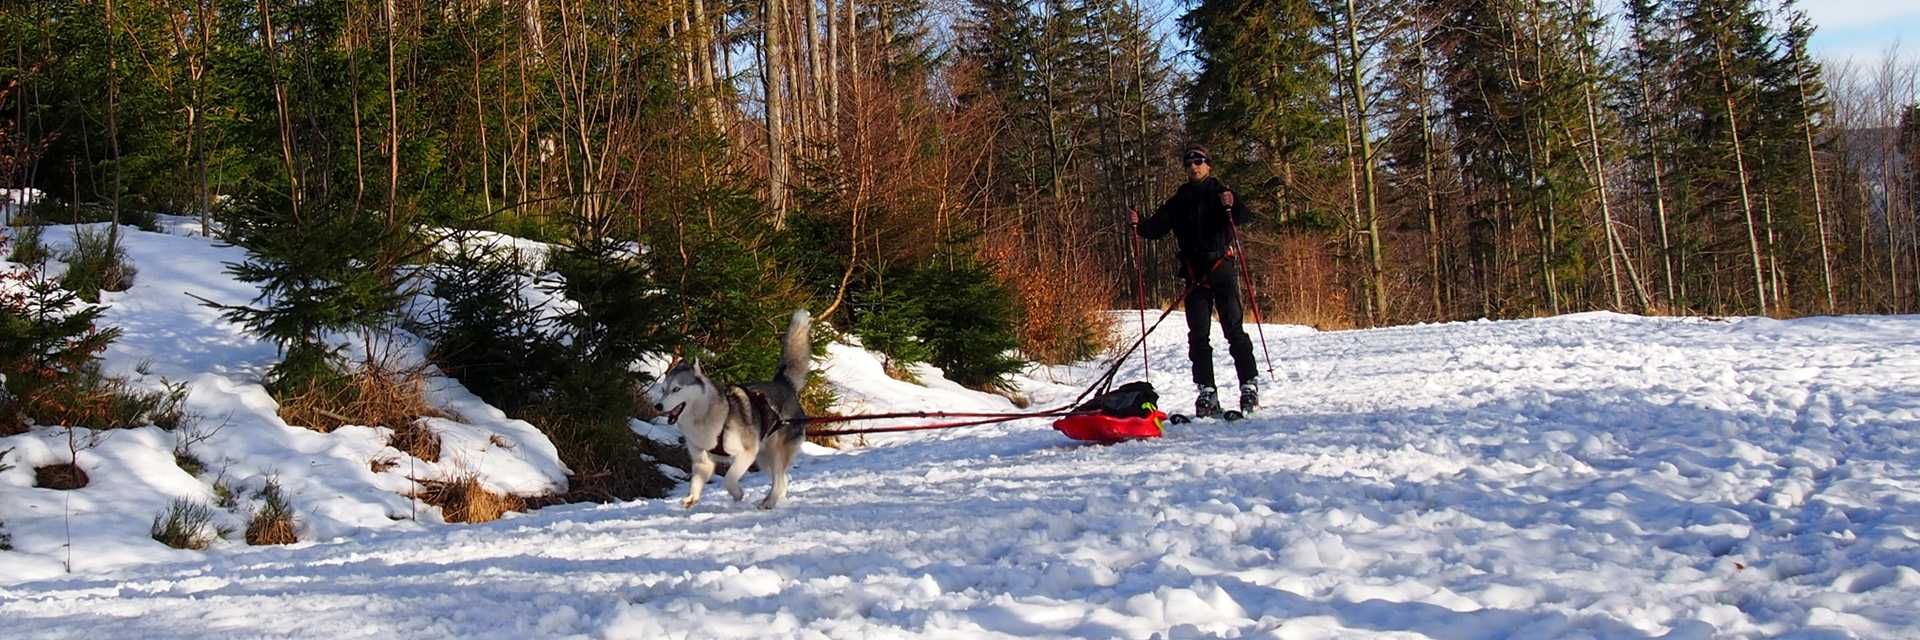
[1226,200]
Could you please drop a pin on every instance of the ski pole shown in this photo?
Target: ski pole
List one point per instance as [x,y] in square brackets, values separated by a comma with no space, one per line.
[1253,291]
[1139,291]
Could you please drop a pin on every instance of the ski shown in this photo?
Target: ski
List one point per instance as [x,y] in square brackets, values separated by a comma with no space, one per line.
[1226,416]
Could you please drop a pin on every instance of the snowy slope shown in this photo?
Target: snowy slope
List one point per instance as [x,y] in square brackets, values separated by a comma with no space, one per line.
[327,477]
[1597,476]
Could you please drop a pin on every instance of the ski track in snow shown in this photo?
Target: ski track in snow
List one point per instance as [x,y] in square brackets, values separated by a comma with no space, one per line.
[1595,475]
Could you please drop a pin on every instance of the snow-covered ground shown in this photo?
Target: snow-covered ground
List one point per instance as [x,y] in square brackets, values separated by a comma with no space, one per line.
[1596,475]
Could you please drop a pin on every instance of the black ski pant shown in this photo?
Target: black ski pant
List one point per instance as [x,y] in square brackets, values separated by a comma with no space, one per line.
[1218,290]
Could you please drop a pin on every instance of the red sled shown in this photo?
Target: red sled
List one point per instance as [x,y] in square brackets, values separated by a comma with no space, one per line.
[1109,429]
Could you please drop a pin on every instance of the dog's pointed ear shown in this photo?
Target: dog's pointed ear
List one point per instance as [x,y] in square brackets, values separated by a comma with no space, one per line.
[697,370]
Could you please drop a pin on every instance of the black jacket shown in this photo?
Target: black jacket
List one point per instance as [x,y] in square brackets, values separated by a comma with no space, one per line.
[1197,218]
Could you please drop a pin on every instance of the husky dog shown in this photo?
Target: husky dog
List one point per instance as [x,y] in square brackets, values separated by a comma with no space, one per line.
[758,421]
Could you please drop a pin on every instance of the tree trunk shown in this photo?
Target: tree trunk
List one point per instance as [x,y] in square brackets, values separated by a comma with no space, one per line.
[1355,222]
[113,126]
[1376,274]
[1659,196]
[1430,201]
[1600,177]
[268,37]
[1813,180]
[833,72]
[816,72]
[773,83]
[703,45]
[393,124]
[1740,166]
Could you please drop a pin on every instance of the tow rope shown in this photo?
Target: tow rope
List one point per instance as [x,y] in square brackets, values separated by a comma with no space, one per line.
[974,419]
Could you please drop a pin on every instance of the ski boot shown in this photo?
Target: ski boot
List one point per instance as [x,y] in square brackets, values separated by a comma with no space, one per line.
[1249,401]
[1207,405]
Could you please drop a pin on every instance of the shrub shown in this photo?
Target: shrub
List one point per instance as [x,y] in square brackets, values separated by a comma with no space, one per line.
[1061,298]
[186,524]
[568,376]
[96,263]
[488,335]
[608,461]
[890,322]
[273,522]
[28,248]
[970,319]
[329,269]
[183,442]
[223,495]
[416,440]
[47,339]
[731,305]
[91,398]
[465,500]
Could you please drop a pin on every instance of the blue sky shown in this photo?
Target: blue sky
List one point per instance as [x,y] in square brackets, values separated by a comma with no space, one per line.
[1863,29]
[1860,29]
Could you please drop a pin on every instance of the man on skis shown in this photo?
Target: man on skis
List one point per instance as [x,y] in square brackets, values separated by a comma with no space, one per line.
[1203,214]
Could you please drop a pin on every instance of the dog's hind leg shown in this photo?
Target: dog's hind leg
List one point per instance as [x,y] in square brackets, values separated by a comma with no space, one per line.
[779,456]
[736,471]
[702,469]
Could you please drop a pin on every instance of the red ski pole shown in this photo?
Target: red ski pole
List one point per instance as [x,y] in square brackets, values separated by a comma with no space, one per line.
[1253,291]
[1139,290]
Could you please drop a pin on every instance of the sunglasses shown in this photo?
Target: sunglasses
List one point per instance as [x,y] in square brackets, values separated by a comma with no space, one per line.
[1194,161]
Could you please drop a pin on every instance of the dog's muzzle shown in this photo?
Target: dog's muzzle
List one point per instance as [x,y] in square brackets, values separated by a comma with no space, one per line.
[673,415]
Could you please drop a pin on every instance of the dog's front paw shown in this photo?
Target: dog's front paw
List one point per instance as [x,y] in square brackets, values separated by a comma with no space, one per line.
[689,502]
[737,493]
[767,503]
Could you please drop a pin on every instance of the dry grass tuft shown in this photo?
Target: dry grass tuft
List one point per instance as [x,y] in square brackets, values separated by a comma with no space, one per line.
[65,476]
[272,523]
[371,395]
[416,440]
[465,500]
[382,464]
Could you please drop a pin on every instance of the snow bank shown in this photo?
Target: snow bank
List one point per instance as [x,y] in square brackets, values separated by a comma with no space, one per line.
[330,478]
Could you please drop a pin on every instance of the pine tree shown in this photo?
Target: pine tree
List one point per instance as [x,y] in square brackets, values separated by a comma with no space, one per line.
[1649,117]
[1260,98]
[1721,59]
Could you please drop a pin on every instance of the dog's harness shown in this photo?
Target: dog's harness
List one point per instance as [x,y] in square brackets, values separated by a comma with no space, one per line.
[766,417]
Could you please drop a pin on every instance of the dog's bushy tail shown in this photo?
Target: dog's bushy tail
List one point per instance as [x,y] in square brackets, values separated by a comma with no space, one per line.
[796,352]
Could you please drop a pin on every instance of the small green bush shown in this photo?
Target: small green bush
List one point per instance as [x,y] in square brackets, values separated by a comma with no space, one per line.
[891,321]
[49,354]
[96,264]
[970,321]
[28,248]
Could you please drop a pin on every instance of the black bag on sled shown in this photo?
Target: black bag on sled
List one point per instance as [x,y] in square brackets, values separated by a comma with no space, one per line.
[1130,400]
